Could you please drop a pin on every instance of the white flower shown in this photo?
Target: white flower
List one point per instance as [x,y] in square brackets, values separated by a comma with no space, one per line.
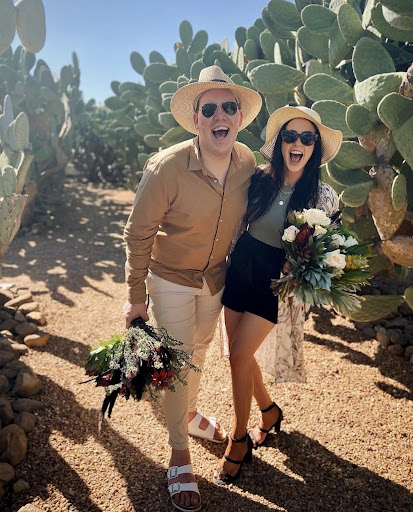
[350,241]
[290,233]
[335,259]
[319,230]
[314,216]
[338,239]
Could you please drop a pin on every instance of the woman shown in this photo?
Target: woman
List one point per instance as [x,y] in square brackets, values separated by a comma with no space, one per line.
[297,143]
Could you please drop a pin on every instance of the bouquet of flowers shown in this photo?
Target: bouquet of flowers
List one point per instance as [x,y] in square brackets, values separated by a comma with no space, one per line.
[144,358]
[328,263]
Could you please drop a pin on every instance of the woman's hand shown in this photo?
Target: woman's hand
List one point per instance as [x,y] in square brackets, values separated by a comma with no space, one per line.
[132,311]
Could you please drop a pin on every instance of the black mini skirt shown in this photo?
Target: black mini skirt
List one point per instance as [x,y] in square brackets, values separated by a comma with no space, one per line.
[248,282]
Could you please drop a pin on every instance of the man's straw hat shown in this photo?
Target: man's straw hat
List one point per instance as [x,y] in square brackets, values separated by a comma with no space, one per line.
[330,139]
[183,102]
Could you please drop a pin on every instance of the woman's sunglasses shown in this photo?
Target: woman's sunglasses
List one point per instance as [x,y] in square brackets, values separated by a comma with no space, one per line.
[290,136]
[229,107]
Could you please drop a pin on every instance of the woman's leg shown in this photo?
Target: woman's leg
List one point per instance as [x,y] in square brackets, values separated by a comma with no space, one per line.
[248,336]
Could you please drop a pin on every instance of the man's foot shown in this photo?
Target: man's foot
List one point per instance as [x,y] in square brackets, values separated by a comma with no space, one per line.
[205,428]
[180,465]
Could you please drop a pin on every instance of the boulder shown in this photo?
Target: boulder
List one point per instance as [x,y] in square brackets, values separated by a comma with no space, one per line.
[29,307]
[11,370]
[26,328]
[6,412]
[8,325]
[395,350]
[19,300]
[6,356]
[26,420]
[5,296]
[13,444]
[37,340]
[37,318]
[27,404]
[4,385]
[27,384]
[20,486]
[7,473]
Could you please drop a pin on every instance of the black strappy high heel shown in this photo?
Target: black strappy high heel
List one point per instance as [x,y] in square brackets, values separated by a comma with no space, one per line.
[226,478]
[276,426]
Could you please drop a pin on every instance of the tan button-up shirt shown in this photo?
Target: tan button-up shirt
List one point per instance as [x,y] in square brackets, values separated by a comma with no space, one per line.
[183,220]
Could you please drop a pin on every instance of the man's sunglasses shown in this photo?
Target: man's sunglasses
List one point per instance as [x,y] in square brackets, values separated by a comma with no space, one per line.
[229,107]
[290,136]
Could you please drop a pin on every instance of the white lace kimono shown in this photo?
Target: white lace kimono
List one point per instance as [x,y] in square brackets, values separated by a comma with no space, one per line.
[281,353]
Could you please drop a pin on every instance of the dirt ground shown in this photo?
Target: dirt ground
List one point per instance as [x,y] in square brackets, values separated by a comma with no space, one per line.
[346,443]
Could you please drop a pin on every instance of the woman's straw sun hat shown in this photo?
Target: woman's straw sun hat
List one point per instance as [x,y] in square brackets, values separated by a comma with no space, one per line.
[330,139]
[184,101]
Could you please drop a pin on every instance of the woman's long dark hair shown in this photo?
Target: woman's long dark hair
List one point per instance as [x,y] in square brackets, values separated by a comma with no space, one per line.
[267,181]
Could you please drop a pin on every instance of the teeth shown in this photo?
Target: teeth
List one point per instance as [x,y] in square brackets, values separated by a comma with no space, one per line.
[296,152]
[220,128]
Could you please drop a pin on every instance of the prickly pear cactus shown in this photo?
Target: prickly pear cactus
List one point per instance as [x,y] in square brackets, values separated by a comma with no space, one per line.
[28,18]
[347,59]
[15,160]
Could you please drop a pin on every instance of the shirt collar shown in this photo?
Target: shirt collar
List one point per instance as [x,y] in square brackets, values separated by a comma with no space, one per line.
[195,161]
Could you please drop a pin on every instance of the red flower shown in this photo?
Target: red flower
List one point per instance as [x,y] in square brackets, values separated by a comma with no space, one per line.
[105,380]
[304,234]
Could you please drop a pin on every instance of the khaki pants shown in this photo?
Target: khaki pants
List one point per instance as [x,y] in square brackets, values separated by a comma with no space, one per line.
[190,315]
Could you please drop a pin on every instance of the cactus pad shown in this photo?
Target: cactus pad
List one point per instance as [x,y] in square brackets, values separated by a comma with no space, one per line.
[376,307]
[318,18]
[138,62]
[370,58]
[315,43]
[398,192]
[399,249]
[325,87]
[408,295]
[30,24]
[333,115]
[350,24]
[369,92]
[357,194]
[276,78]
[352,156]
[361,120]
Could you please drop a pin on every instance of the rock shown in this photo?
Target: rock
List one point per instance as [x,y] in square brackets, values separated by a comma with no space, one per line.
[29,508]
[13,444]
[408,330]
[7,334]
[6,473]
[8,325]
[27,404]
[5,315]
[20,486]
[19,317]
[4,385]
[19,300]
[19,349]
[27,384]
[396,336]
[25,329]
[37,340]
[400,321]
[11,370]
[408,352]
[405,309]
[6,412]
[395,350]
[361,325]
[5,344]
[36,317]
[6,356]
[5,296]
[26,420]
[29,307]
[382,337]
[369,332]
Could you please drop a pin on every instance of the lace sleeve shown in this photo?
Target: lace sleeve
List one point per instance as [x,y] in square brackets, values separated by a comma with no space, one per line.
[327,199]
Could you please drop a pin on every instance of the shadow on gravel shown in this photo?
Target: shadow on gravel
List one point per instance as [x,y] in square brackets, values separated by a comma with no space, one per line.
[317,480]
[390,366]
[85,242]
[48,470]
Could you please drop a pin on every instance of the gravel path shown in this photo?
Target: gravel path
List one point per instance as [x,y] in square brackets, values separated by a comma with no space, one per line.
[346,444]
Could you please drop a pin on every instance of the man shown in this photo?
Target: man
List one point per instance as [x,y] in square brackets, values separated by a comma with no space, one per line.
[188,205]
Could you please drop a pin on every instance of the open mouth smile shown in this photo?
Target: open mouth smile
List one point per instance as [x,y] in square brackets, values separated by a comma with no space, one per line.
[296,156]
[220,132]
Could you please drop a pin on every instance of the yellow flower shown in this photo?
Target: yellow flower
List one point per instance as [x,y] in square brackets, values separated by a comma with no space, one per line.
[354,261]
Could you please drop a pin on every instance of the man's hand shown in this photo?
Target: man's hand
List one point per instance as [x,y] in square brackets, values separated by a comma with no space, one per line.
[287,267]
[132,311]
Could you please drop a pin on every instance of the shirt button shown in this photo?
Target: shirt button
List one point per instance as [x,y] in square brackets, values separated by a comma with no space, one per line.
[211,257]
[220,220]
[215,181]
[216,239]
